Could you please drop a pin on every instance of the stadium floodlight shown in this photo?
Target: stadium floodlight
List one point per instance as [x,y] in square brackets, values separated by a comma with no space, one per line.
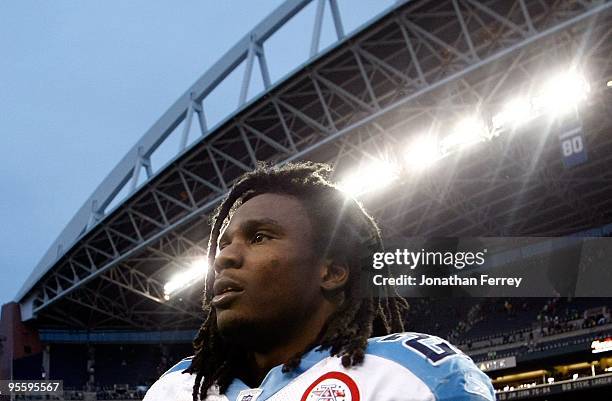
[467,132]
[422,152]
[196,271]
[514,113]
[562,93]
[369,177]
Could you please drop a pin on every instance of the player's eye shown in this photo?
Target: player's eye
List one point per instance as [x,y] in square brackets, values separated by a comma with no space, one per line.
[259,238]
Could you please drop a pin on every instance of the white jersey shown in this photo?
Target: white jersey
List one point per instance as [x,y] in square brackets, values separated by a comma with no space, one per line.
[397,367]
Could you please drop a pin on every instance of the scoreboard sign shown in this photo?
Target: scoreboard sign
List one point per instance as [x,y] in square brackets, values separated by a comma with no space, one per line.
[603,345]
[573,148]
[497,364]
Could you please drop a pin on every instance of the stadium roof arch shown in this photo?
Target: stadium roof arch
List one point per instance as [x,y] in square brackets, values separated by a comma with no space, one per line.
[417,65]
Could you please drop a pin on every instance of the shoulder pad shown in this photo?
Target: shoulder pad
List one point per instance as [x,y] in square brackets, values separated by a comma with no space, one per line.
[445,369]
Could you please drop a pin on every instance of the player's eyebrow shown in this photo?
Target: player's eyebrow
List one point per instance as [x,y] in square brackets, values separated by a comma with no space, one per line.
[249,226]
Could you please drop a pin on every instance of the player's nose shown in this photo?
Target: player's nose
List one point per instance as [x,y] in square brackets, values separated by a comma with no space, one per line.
[230,257]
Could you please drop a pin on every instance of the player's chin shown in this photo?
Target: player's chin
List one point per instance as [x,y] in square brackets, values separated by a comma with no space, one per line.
[231,323]
[237,328]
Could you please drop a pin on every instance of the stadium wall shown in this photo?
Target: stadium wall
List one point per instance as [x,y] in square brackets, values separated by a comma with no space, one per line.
[20,340]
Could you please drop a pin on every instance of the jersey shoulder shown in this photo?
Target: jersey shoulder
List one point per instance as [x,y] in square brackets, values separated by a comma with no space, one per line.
[179,366]
[173,384]
[446,370]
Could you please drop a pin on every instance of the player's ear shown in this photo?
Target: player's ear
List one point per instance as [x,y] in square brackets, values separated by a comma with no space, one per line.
[334,275]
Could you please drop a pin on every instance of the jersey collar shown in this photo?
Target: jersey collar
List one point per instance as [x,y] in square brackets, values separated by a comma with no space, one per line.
[276,379]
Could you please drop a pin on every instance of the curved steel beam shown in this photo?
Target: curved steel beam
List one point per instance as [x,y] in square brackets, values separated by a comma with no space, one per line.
[94,209]
[426,83]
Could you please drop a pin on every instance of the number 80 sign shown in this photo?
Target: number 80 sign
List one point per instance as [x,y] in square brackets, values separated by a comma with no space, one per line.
[573,149]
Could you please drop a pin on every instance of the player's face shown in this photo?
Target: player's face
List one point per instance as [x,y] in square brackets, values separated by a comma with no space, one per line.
[267,275]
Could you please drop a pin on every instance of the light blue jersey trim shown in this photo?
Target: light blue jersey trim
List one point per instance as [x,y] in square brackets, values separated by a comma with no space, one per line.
[180,366]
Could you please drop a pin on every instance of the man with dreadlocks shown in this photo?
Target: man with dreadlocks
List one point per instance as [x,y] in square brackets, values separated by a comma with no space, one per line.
[285,315]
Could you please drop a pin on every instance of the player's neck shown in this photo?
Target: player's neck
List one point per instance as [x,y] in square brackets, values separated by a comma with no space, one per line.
[260,362]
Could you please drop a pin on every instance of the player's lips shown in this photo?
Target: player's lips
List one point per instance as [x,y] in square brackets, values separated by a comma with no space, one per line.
[225,290]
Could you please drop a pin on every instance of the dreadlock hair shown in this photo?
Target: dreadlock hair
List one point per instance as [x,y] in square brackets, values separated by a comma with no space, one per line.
[344,232]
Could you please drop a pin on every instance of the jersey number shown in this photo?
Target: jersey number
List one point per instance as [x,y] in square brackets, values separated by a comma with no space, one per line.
[434,349]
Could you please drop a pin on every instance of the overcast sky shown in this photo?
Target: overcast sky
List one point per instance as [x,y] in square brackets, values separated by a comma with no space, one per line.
[81,81]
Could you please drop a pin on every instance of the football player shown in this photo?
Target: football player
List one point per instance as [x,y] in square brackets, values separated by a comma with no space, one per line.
[286,317]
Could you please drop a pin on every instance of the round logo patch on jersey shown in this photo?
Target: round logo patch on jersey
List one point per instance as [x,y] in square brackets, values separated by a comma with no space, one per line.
[332,386]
